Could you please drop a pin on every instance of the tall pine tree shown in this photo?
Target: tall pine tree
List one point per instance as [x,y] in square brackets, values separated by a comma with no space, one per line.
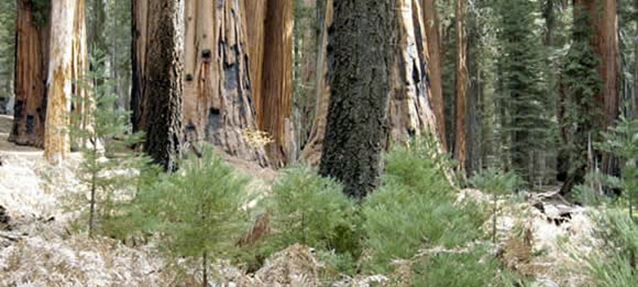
[523,99]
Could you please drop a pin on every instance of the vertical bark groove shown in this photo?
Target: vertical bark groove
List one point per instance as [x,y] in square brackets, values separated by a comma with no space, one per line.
[276,96]
[435,82]
[32,51]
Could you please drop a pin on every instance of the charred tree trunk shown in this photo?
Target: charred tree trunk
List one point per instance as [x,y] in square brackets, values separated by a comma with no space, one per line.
[139,10]
[67,63]
[461,85]
[218,105]
[164,86]
[31,68]
[435,83]
[357,113]
[276,101]
[410,110]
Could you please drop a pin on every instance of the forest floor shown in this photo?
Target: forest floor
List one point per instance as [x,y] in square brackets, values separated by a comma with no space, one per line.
[539,234]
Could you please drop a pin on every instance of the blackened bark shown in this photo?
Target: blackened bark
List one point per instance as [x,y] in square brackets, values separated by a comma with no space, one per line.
[164,88]
[31,67]
[357,115]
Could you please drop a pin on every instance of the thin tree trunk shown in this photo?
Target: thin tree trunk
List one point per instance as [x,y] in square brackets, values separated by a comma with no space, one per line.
[461,85]
[31,68]
[431,20]
[311,153]
[277,79]
[218,105]
[357,114]
[164,86]
[67,49]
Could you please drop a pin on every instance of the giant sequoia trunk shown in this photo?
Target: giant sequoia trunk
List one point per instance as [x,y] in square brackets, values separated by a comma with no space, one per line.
[218,106]
[270,32]
[461,82]
[603,19]
[139,10]
[361,82]
[276,94]
[410,111]
[31,67]
[164,87]
[431,21]
[66,64]
[256,31]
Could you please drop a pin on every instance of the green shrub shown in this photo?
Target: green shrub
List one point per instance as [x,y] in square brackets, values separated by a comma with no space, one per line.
[615,264]
[415,208]
[467,269]
[197,210]
[309,209]
[622,141]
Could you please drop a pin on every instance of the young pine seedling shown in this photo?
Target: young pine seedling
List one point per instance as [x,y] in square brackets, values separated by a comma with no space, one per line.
[497,183]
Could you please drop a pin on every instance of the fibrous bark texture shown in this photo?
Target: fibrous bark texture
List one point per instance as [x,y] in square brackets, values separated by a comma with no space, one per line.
[431,21]
[218,106]
[604,21]
[311,153]
[276,95]
[66,48]
[32,51]
[164,87]
[410,110]
[461,85]
[357,114]
[79,65]
[256,31]
[139,19]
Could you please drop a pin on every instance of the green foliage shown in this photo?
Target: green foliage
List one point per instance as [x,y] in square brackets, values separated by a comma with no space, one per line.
[101,135]
[525,109]
[622,141]
[7,47]
[415,208]
[471,269]
[197,210]
[581,83]
[312,210]
[41,10]
[309,209]
[497,183]
[615,264]
[585,194]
